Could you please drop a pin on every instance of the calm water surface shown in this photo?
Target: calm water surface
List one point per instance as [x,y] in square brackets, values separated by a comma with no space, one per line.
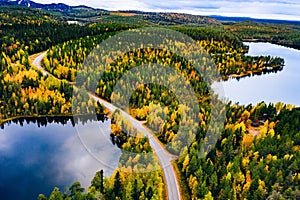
[283,86]
[35,159]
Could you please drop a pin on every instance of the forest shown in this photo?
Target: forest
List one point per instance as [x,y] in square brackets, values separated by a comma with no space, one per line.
[22,86]
[28,29]
[29,93]
[257,152]
[282,34]
[243,165]
[226,50]
[238,167]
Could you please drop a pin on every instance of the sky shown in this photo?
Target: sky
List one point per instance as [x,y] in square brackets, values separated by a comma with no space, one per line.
[265,9]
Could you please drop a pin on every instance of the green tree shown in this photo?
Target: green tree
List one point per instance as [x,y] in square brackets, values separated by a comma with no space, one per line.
[76,190]
[56,195]
[42,197]
[97,181]
[118,185]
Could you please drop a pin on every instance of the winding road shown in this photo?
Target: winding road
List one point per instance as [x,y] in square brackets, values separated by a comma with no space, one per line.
[164,157]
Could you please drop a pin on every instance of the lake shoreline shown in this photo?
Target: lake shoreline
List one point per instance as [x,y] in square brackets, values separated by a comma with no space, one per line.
[3,121]
[264,71]
[257,40]
[270,88]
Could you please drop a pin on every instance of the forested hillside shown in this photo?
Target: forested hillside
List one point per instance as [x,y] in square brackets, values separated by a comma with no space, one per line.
[26,31]
[226,50]
[282,34]
[29,93]
[242,165]
[35,30]
[257,153]
[248,163]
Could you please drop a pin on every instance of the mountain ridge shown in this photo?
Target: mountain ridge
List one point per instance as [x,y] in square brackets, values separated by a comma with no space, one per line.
[82,13]
[52,6]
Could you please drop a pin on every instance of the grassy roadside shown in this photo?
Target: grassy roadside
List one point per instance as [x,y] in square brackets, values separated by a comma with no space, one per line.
[165,192]
[184,191]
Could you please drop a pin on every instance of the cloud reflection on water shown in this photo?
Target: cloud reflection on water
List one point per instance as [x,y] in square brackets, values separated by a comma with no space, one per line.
[45,157]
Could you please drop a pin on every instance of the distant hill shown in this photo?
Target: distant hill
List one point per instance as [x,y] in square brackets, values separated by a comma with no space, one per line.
[242,19]
[174,18]
[57,7]
[83,14]
[88,14]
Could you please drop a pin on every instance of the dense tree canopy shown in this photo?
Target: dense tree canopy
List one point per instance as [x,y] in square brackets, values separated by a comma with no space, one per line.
[257,153]
[282,34]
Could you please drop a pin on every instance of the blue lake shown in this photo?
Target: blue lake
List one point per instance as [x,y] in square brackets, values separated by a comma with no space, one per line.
[283,86]
[35,159]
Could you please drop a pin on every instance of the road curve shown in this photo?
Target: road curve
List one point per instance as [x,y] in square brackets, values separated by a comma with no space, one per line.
[163,156]
[37,63]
